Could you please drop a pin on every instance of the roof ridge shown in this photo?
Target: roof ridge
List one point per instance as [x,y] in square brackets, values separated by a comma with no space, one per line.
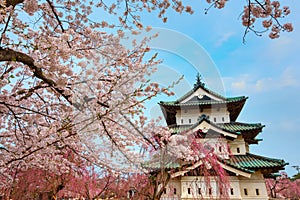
[244,123]
[225,101]
[264,157]
[236,97]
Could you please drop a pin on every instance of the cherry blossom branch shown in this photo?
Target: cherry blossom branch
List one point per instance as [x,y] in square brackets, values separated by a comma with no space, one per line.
[108,182]
[5,28]
[17,124]
[115,142]
[56,16]
[28,92]
[6,71]
[12,55]
[25,155]
[249,19]
[138,131]
[28,109]
[269,10]
[58,20]
[87,157]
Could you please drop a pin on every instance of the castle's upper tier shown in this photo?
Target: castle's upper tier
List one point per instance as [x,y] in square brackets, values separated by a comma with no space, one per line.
[201,98]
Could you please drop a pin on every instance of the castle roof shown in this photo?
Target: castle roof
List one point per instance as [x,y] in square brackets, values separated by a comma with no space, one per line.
[232,129]
[202,97]
[239,126]
[251,162]
[248,130]
[204,102]
[243,165]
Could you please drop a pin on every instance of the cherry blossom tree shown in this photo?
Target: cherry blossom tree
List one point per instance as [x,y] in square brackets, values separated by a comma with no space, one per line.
[50,102]
[283,187]
[71,92]
[35,183]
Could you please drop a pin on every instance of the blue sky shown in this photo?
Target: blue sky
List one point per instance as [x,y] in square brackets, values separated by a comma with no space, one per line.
[265,70]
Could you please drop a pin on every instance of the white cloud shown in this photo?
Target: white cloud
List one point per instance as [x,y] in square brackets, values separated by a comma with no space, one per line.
[250,83]
[288,78]
[224,38]
[241,85]
[288,125]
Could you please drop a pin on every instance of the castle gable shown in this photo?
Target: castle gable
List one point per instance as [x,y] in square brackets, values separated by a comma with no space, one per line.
[200,93]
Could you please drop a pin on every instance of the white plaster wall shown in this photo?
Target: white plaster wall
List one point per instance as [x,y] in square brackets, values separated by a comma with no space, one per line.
[237,183]
[194,183]
[218,143]
[235,186]
[219,115]
[256,182]
[215,115]
[238,143]
[173,184]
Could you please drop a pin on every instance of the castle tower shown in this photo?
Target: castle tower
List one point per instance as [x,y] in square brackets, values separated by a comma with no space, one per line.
[201,109]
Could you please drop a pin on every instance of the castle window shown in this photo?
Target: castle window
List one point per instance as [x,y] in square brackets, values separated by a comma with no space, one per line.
[199,190]
[238,150]
[245,191]
[220,149]
[231,191]
[189,190]
[181,121]
[190,121]
[221,192]
[209,191]
[257,191]
[223,119]
[165,191]
[215,119]
[175,191]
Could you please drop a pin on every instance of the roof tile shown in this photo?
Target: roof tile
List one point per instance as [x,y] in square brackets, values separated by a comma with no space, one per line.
[204,102]
[251,161]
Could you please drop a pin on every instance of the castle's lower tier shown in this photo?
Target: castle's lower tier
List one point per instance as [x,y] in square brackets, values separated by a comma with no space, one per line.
[198,187]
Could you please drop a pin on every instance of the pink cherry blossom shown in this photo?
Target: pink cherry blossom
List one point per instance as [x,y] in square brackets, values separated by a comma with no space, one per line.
[288,27]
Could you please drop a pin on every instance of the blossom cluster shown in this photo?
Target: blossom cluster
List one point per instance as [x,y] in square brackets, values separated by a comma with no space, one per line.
[270,12]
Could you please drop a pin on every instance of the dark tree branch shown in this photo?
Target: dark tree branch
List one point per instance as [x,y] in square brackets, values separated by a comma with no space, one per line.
[5,28]
[6,71]
[115,142]
[57,19]
[272,16]
[28,92]
[249,19]
[137,130]
[13,2]
[15,56]
[24,108]
[25,155]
